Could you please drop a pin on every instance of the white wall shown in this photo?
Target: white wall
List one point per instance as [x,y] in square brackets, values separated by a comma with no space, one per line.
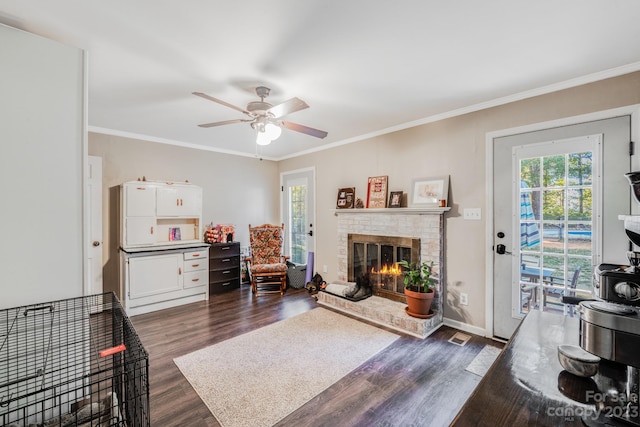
[41,169]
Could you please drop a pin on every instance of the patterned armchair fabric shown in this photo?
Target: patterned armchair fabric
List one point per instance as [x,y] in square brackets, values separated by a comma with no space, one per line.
[267,263]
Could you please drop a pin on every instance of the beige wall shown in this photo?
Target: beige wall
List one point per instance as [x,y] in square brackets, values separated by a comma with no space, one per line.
[455,147]
[236,190]
[244,190]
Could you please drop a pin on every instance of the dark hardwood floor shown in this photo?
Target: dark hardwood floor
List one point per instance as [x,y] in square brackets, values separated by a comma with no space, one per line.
[412,382]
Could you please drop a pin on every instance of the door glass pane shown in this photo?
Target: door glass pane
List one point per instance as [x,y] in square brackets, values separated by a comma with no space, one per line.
[297,215]
[579,239]
[553,236]
[553,204]
[556,222]
[580,168]
[553,171]
[530,172]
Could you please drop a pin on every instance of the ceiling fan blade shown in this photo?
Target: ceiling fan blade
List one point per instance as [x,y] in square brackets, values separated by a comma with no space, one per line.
[224,122]
[304,129]
[221,102]
[287,107]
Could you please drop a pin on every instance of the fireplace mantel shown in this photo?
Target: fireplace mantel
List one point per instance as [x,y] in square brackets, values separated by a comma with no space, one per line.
[403,211]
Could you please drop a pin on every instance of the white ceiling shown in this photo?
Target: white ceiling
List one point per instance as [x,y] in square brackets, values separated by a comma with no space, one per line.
[364,67]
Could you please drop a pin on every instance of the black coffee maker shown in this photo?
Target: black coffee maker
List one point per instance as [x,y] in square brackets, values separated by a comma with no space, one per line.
[610,325]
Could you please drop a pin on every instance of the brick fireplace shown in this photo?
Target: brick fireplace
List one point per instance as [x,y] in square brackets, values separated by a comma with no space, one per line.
[425,226]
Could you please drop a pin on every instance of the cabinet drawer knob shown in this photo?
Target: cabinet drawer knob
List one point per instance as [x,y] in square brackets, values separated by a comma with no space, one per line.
[195,280]
[179,270]
[226,248]
[195,254]
[226,272]
[226,260]
[195,265]
[226,284]
[151,230]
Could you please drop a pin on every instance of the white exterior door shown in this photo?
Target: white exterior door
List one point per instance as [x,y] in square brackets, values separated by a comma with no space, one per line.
[298,214]
[559,251]
[94,252]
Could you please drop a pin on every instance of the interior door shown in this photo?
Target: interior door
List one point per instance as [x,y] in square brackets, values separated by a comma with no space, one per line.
[298,213]
[610,241]
[94,194]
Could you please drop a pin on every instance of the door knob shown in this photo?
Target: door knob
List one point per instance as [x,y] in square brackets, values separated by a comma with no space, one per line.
[310,233]
[96,243]
[502,249]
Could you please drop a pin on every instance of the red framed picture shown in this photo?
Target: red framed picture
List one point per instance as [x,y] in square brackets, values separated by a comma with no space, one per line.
[377,192]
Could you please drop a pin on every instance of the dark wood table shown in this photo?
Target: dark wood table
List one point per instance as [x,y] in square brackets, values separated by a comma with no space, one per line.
[526,386]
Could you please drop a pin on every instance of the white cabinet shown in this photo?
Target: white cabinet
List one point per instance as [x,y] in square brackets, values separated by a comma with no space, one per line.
[139,231]
[154,280]
[152,275]
[175,200]
[160,214]
[140,200]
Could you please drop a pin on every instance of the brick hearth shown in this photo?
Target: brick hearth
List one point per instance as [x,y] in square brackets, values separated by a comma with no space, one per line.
[382,311]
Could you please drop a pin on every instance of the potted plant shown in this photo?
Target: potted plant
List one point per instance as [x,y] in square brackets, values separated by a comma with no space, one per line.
[418,288]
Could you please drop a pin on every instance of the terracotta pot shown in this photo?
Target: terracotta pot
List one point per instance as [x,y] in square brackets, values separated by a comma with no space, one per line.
[419,303]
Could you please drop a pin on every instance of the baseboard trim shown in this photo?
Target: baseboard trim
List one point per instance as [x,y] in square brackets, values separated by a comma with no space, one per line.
[465,327]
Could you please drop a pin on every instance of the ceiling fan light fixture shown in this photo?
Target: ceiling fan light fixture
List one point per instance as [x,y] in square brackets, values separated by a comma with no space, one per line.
[273,131]
[262,138]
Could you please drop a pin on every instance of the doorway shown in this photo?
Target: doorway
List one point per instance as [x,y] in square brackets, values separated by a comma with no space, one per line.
[93,279]
[539,168]
[298,213]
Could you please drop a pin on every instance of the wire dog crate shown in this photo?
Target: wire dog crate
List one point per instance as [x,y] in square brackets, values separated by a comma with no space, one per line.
[74,362]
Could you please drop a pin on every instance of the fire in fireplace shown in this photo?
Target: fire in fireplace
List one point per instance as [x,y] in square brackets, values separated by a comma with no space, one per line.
[378,256]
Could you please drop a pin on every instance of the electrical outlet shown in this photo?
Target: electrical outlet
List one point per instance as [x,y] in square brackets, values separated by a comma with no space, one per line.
[464,299]
[325,269]
[472,213]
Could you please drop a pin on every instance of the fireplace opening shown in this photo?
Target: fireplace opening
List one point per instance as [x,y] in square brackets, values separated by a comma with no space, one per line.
[378,256]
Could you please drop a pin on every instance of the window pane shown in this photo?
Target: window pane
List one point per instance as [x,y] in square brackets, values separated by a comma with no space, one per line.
[556,225]
[298,238]
[579,235]
[530,172]
[580,169]
[584,276]
[553,171]
[529,220]
[579,204]
[553,205]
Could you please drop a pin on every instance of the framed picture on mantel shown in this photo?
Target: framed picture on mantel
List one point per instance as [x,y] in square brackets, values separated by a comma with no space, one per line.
[429,192]
[395,199]
[377,192]
[346,198]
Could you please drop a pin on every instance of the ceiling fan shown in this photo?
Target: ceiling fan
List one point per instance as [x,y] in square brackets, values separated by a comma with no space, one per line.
[266,118]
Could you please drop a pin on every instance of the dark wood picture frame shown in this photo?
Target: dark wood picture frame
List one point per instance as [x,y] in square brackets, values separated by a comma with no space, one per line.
[346,198]
[395,199]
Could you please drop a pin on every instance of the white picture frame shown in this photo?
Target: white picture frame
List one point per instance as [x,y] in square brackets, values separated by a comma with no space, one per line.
[429,192]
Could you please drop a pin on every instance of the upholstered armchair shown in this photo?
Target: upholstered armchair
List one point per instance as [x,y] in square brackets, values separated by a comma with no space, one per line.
[267,264]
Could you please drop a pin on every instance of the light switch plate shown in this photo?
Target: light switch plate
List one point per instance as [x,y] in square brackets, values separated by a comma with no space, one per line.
[472,213]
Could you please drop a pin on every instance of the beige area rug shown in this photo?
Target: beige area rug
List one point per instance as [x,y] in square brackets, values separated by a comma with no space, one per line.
[258,378]
[483,361]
